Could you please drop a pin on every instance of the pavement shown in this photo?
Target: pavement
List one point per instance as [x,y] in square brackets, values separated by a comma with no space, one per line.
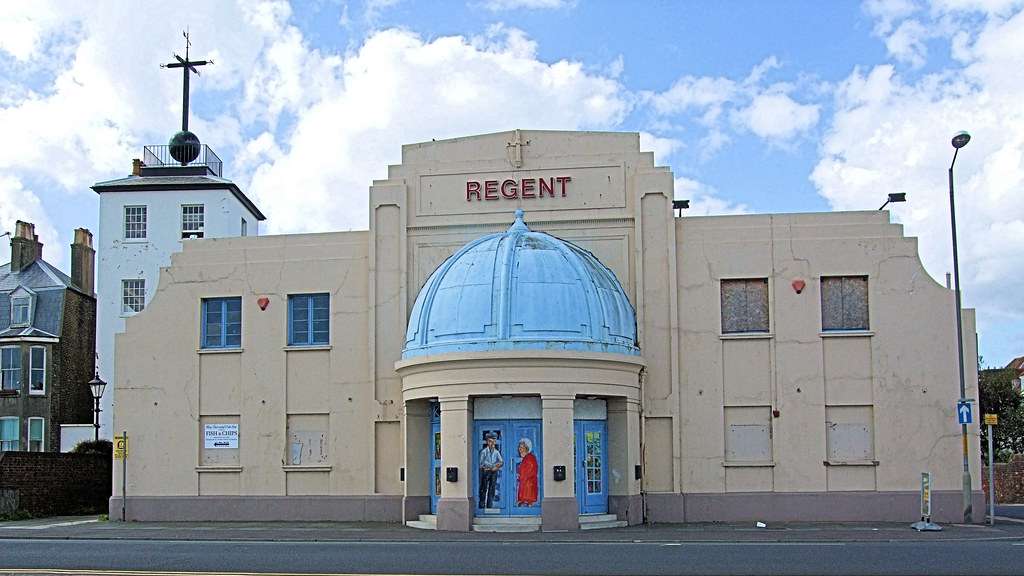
[96,528]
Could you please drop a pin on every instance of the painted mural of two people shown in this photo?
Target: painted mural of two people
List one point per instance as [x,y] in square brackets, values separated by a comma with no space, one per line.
[527,472]
[490,464]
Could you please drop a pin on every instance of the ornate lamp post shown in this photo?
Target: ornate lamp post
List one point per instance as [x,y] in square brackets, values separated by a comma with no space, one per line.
[959,141]
[96,386]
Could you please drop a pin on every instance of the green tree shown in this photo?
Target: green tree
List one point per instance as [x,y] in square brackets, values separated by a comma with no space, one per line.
[998,396]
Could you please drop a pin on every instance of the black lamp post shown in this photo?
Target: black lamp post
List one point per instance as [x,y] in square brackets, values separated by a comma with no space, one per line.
[959,141]
[96,386]
[680,205]
[893,198]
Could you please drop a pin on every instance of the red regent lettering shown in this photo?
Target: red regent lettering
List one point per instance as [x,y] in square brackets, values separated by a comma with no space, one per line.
[546,185]
[562,180]
[491,189]
[511,189]
[526,188]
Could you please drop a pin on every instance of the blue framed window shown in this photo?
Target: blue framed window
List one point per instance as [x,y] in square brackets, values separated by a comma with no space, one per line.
[309,319]
[222,322]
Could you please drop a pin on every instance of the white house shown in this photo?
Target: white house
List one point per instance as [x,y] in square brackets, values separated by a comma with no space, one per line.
[146,217]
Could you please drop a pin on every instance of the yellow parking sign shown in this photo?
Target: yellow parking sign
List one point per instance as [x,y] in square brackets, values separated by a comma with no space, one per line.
[120,447]
[991,419]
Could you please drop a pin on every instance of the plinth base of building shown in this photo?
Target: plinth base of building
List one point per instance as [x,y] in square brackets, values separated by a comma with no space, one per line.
[560,514]
[947,506]
[368,508]
[455,514]
[629,508]
[415,506]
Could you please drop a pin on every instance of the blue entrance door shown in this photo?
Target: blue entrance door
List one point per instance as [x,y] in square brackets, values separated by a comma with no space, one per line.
[591,466]
[507,461]
[435,455]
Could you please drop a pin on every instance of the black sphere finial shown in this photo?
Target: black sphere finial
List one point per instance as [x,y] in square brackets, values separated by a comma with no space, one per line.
[184,147]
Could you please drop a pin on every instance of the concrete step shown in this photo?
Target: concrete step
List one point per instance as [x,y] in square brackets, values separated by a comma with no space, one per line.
[509,520]
[432,518]
[605,524]
[588,518]
[421,525]
[506,527]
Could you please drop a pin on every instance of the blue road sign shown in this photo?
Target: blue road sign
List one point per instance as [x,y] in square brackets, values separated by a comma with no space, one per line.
[963,412]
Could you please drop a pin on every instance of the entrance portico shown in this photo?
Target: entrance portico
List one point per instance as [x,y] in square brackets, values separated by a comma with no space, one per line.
[457,384]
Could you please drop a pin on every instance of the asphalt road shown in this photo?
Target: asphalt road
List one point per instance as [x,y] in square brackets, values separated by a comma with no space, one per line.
[584,558]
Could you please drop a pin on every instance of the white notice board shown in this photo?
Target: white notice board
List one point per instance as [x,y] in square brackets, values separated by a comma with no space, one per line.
[220,436]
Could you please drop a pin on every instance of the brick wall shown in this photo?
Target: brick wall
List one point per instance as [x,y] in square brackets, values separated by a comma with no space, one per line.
[1009,481]
[75,365]
[54,484]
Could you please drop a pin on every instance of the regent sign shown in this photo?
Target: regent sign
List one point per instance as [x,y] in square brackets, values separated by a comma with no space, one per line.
[512,189]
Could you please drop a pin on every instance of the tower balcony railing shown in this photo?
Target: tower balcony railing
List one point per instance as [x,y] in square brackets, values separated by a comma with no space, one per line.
[160,155]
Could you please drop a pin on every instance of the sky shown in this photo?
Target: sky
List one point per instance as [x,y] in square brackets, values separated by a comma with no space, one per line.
[783,106]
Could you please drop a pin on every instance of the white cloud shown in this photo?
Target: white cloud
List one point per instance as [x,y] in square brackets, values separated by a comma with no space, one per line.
[765,110]
[704,93]
[704,199]
[907,43]
[892,134]
[774,114]
[19,203]
[398,88]
[502,5]
[663,148]
[888,12]
[23,25]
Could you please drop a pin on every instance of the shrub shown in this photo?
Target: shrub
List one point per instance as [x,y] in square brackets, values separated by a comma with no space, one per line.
[103,447]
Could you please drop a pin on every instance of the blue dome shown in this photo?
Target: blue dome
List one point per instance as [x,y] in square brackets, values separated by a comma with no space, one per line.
[521,290]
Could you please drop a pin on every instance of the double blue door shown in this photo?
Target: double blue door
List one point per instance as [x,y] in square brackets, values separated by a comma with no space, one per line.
[591,450]
[514,483]
[507,462]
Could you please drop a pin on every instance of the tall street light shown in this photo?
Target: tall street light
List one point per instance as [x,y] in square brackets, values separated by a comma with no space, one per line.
[96,386]
[959,141]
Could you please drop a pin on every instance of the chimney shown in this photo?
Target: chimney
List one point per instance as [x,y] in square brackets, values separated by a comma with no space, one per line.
[25,246]
[137,167]
[83,261]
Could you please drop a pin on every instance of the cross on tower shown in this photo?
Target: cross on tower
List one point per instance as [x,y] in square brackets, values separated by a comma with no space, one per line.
[186,66]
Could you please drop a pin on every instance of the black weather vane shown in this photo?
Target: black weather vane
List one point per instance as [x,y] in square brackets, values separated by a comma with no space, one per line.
[186,66]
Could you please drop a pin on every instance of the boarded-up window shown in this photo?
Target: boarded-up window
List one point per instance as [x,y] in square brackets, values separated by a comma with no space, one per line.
[844,303]
[748,434]
[307,439]
[745,305]
[850,433]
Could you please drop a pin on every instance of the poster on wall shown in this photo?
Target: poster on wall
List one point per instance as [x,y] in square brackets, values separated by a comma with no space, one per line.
[220,436]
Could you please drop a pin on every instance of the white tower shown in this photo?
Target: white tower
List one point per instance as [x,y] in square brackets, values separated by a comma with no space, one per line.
[176,193]
[146,217]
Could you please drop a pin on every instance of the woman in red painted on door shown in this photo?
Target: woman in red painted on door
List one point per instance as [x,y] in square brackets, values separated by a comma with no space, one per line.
[527,495]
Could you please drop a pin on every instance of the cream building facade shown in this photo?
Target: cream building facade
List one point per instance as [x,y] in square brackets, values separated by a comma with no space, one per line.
[594,361]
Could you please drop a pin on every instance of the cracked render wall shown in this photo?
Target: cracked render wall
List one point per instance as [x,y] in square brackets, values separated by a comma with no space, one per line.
[167,391]
[890,389]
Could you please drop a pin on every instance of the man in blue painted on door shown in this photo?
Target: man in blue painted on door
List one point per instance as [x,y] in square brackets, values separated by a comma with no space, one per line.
[490,463]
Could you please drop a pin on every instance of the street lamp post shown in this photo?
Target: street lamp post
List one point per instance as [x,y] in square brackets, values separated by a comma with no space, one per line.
[894,197]
[959,141]
[96,387]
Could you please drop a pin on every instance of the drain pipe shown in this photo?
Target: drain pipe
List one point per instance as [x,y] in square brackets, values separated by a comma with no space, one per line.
[643,447]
